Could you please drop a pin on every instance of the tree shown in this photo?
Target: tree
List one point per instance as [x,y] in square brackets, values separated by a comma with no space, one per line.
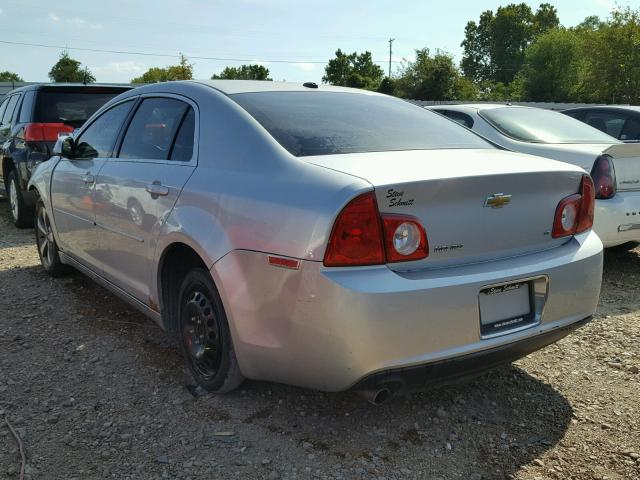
[8,76]
[552,67]
[353,70]
[494,48]
[182,71]
[243,72]
[428,77]
[387,86]
[68,69]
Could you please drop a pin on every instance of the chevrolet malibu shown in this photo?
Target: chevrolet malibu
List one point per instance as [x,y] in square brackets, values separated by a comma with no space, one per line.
[320,236]
[614,166]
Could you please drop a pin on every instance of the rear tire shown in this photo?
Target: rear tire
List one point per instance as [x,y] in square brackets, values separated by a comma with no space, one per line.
[624,247]
[46,243]
[21,213]
[203,334]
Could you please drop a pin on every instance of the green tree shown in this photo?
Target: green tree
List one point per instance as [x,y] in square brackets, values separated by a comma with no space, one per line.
[68,69]
[552,67]
[428,77]
[243,72]
[353,70]
[8,76]
[494,48]
[182,71]
[612,57]
[387,86]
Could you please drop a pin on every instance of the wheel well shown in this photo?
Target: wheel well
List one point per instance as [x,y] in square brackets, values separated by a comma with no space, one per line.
[176,261]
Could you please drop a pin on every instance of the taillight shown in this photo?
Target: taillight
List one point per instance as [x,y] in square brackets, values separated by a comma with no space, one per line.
[574,214]
[45,132]
[360,236]
[356,238]
[604,177]
[405,238]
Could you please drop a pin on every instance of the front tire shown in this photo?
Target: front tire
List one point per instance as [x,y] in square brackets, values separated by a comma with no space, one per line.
[46,243]
[203,334]
[21,214]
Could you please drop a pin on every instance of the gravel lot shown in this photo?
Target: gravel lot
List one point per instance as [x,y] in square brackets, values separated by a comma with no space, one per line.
[95,390]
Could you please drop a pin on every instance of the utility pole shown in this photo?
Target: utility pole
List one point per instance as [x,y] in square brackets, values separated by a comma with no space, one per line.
[390,50]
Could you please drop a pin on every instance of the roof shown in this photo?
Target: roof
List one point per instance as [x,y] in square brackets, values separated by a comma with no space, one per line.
[231,87]
[474,106]
[633,108]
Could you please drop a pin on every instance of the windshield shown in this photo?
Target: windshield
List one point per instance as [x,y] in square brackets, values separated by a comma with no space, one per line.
[542,126]
[327,123]
[70,107]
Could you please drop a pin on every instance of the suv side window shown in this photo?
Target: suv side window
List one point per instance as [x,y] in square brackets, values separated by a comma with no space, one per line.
[3,107]
[8,113]
[27,107]
[631,130]
[153,129]
[99,138]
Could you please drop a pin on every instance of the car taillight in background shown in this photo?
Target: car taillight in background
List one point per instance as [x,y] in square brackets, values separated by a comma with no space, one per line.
[604,177]
[361,236]
[574,214]
[45,132]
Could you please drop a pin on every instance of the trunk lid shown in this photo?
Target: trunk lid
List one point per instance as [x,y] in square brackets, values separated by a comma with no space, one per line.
[475,205]
[626,160]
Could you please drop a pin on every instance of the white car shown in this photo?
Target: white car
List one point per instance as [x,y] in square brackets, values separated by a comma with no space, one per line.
[614,166]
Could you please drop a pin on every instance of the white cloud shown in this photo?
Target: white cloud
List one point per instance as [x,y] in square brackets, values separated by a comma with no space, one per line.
[306,67]
[76,22]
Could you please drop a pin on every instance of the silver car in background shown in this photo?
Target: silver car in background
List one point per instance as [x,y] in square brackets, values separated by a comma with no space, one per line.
[320,236]
[614,166]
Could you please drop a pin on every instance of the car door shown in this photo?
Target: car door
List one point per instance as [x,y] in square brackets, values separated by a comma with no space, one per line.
[73,185]
[7,109]
[137,189]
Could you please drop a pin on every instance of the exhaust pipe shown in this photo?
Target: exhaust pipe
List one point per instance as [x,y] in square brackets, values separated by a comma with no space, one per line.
[376,396]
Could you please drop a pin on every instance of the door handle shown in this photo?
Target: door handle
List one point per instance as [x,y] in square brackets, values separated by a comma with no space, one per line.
[88,178]
[157,189]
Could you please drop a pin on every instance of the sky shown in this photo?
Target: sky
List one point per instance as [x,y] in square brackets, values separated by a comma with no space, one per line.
[293,39]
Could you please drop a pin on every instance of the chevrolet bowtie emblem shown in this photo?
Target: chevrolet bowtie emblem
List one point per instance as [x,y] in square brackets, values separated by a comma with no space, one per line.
[497,200]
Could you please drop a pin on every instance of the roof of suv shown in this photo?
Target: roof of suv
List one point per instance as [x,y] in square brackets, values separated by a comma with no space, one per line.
[231,87]
[62,86]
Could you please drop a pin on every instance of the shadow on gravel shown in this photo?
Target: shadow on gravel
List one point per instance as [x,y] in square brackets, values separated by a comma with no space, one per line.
[491,426]
[10,235]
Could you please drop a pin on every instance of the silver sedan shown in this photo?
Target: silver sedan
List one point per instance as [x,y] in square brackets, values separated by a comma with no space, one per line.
[320,236]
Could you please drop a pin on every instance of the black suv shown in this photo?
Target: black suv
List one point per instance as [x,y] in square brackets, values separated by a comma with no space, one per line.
[31,118]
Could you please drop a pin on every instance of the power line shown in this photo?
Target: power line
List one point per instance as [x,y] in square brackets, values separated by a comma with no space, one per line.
[148,54]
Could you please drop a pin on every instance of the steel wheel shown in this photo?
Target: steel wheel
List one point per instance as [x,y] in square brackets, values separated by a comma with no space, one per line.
[13,199]
[45,240]
[201,334]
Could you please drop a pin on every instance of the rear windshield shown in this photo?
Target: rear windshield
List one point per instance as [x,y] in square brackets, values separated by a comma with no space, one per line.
[328,123]
[71,108]
[536,125]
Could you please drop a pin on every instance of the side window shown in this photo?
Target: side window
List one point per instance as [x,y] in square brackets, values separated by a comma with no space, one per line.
[153,129]
[609,123]
[182,149]
[3,107]
[461,118]
[100,137]
[631,130]
[8,113]
[27,107]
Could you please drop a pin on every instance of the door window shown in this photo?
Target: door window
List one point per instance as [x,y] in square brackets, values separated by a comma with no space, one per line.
[100,137]
[8,113]
[631,130]
[3,107]
[182,149]
[153,129]
[461,118]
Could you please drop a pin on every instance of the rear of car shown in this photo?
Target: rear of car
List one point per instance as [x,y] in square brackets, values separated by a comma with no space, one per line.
[39,114]
[452,257]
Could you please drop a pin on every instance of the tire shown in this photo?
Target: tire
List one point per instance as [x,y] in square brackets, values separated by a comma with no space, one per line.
[46,243]
[625,247]
[21,213]
[203,334]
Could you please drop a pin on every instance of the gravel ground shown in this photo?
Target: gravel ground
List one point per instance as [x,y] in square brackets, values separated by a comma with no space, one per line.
[95,390]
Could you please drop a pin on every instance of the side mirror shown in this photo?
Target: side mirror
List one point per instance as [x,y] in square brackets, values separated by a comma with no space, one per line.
[64,147]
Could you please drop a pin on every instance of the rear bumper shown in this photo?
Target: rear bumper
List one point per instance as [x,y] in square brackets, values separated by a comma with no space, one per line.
[617,220]
[451,370]
[329,328]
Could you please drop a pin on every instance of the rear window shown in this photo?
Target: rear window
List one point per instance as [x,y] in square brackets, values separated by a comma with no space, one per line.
[329,123]
[536,125]
[71,108]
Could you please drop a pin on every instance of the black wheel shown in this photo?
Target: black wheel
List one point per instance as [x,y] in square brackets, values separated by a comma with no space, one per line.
[46,242]
[21,214]
[204,335]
